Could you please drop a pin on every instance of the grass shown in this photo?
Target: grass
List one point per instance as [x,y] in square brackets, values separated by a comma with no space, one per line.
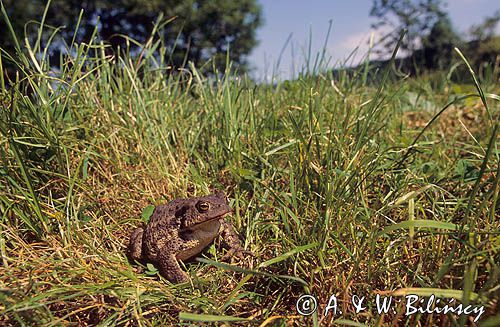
[338,187]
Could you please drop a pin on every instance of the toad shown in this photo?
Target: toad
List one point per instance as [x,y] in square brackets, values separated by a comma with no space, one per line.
[180,230]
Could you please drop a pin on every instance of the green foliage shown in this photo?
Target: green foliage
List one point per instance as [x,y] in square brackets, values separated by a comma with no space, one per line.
[487,29]
[151,269]
[466,171]
[430,38]
[193,30]
[146,213]
[417,17]
[485,57]
[438,45]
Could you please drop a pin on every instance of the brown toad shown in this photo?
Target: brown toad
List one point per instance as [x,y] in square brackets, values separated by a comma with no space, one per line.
[181,229]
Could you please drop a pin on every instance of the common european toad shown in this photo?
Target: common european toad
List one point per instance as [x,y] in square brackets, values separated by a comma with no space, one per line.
[180,230]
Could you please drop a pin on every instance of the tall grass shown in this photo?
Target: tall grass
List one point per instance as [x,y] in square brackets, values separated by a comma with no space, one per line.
[339,187]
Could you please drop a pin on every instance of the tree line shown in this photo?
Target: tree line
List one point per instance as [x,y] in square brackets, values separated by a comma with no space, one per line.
[207,31]
[193,30]
[430,36]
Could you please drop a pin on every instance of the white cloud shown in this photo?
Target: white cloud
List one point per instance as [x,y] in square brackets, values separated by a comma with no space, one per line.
[358,43]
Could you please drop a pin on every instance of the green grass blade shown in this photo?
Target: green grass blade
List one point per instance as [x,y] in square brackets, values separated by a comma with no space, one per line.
[420,223]
[209,318]
[438,292]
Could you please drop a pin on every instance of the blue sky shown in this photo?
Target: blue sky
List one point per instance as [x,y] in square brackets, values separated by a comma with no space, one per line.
[350,28]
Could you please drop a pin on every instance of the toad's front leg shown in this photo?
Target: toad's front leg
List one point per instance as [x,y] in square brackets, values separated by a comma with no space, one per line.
[168,263]
[231,241]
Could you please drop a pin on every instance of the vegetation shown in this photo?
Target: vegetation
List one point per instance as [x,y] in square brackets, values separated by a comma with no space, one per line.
[417,17]
[486,30]
[338,187]
[194,30]
[430,36]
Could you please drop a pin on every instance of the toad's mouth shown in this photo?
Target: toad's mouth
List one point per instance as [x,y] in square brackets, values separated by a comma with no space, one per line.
[205,221]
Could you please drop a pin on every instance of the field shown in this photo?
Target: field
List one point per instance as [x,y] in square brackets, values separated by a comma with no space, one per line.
[339,185]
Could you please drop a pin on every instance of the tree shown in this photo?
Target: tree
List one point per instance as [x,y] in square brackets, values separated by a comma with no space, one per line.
[200,29]
[438,45]
[484,48]
[487,29]
[416,16]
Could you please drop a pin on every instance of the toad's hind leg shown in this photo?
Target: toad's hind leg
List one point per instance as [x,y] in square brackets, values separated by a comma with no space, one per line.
[134,250]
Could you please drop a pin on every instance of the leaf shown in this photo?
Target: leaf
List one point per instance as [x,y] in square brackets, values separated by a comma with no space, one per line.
[347,322]
[429,168]
[466,170]
[281,147]
[208,318]
[422,223]
[437,292]
[147,212]
[411,195]
[85,168]
[284,256]
[247,173]
[491,322]
[151,269]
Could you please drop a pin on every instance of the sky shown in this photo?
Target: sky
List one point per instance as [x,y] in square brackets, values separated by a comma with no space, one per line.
[350,28]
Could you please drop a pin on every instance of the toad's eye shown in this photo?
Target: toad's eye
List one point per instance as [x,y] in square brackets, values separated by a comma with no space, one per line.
[203,206]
